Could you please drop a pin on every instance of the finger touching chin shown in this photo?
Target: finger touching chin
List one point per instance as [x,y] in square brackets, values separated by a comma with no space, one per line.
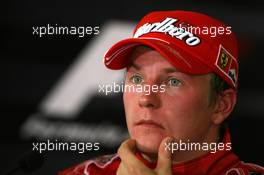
[148,144]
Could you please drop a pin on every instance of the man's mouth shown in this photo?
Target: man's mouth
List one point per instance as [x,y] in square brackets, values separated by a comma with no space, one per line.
[149,123]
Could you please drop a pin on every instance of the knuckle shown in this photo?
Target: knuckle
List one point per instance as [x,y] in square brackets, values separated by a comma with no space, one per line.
[119,151]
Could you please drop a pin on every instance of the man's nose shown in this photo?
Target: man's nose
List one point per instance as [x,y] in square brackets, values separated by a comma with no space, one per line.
[150,100]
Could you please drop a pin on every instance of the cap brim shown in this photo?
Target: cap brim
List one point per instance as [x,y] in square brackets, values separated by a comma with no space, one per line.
[117,57]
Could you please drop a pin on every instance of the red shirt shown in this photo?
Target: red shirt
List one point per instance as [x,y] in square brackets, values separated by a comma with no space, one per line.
[219,163]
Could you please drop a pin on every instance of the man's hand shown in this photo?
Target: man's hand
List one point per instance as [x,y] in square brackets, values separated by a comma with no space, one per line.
[130,165]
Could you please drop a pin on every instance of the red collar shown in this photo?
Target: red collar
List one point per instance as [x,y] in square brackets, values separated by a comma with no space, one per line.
[210,163]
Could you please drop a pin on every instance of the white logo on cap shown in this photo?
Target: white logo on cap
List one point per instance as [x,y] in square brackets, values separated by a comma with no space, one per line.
[167,27]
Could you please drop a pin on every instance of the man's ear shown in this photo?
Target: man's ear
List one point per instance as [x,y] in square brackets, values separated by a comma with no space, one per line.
[224,105]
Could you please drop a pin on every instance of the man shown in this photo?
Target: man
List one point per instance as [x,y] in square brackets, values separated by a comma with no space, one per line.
[177,128]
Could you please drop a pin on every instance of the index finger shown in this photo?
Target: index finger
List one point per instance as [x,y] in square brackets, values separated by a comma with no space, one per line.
[164,157]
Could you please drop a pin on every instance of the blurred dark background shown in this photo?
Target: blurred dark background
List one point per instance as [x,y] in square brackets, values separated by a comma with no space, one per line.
[31,66]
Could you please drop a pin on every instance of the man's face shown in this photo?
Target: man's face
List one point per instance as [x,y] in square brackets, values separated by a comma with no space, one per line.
[181,111]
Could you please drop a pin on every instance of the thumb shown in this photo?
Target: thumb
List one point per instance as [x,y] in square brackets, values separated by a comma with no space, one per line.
[165,157]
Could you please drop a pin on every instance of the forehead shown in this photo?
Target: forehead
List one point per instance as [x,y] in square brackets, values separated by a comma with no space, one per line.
[143,56]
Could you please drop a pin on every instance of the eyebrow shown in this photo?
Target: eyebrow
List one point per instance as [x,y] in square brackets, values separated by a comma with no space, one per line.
[170,70]
[136,66]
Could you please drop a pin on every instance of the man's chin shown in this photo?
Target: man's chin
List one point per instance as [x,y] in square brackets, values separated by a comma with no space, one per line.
[149,153]
[148,147]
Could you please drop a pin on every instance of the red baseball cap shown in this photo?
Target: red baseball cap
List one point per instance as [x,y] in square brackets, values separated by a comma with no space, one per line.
[192,42]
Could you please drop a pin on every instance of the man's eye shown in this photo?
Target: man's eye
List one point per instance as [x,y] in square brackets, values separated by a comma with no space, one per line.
[174,82]
[136,79]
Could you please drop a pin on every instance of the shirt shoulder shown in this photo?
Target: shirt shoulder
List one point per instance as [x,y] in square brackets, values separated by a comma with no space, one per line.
[106,164]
